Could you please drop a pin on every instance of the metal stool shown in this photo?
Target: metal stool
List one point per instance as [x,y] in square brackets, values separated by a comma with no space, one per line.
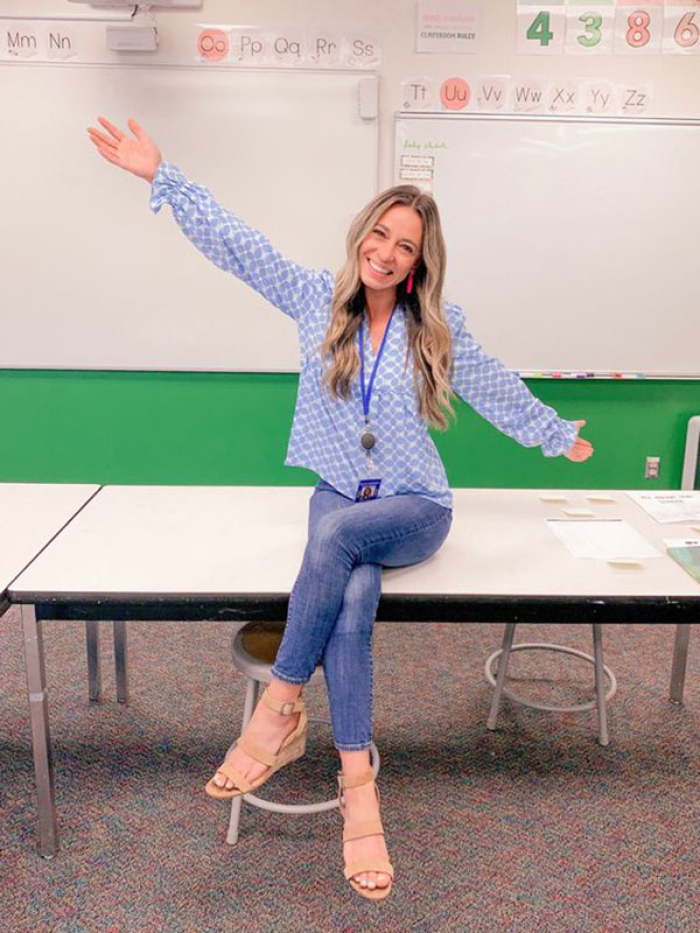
[601,671]
[254,651]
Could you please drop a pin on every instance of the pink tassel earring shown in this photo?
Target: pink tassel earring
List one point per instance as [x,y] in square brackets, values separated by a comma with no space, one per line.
[409,285]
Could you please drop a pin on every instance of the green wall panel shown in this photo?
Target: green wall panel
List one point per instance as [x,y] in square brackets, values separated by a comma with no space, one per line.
[232,428]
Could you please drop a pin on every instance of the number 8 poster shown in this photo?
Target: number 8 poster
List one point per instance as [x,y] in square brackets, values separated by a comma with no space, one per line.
[639,27]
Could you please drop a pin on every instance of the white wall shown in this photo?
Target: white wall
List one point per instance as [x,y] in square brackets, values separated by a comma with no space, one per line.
[675,78]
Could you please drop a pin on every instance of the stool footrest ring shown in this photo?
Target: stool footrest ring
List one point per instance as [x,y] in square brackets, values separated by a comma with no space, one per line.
[543,646]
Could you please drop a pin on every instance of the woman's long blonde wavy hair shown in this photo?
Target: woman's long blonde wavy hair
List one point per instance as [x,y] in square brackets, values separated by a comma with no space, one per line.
[428,334]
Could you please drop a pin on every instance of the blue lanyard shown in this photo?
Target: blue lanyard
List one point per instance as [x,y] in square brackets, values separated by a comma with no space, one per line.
[367,394]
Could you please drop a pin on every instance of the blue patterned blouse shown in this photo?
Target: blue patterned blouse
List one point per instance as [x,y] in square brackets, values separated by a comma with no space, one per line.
[326,433]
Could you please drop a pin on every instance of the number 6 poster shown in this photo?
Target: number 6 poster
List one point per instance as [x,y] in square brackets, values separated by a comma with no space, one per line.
[682,27]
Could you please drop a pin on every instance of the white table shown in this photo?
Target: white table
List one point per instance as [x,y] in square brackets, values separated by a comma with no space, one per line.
[233,553]
[31,515]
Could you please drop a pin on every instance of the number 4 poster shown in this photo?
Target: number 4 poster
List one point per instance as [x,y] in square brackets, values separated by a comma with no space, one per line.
[542,28]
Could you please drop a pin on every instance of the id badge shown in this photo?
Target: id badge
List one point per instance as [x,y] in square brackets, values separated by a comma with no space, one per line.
[367,489]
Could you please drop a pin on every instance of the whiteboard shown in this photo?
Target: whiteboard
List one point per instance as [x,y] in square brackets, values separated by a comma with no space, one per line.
[572,242]
[91,279]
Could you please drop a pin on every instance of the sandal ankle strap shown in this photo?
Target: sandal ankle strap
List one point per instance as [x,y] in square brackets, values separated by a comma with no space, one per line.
[287,708]
[355,780]
[358,780]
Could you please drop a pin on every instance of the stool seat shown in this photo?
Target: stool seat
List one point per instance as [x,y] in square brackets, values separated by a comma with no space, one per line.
[254,650]
[255,647]
[260,641]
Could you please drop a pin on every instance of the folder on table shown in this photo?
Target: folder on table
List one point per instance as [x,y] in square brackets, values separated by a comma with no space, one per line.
[688,558]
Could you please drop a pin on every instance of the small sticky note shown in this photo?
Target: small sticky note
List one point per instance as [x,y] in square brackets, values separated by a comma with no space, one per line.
[599,497]
[627,563]
[553,498]
[578,513]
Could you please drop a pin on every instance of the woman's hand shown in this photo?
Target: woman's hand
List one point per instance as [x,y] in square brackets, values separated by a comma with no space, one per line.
[581,450]
[140,156]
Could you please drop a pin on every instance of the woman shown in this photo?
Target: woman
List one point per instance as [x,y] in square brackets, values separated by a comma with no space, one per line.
[381,356]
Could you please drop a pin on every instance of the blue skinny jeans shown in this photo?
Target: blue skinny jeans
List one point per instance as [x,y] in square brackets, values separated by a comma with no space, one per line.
[334,601]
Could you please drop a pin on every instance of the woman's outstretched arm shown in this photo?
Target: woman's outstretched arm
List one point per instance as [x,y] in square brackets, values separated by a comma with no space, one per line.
[502,398]
[138,154]
[219,234]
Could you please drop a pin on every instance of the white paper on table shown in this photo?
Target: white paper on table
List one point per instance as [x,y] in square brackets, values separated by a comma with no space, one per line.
[682,542]
[669,506]
[602,539]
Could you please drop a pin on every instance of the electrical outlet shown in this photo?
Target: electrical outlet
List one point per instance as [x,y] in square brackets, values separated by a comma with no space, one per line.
[651,469]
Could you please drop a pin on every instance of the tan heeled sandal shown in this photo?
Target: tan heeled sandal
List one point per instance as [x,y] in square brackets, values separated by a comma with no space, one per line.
[292,748]
[363,828]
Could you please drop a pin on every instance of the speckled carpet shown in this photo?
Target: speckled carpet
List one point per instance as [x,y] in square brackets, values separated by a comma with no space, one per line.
[532,829]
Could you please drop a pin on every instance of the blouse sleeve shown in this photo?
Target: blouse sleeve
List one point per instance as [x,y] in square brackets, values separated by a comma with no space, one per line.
[501,397]
[234,246]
